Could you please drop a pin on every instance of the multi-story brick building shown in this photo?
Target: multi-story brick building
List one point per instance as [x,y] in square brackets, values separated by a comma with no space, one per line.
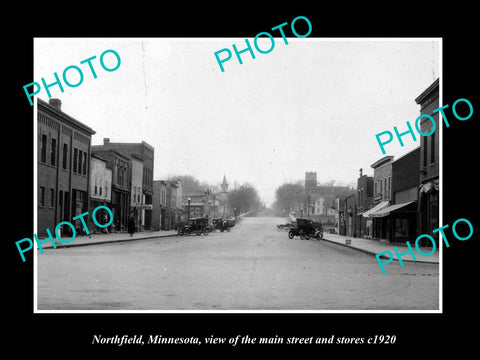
[382,195]
[428,198]
[100,188]
[145,152]
[137,197]
[174,211]
[364,203]
[63,166]
[120,205]
[159,205]
[403,211]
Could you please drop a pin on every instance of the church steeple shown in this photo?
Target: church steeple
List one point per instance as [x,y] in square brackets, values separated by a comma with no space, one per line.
[224,185]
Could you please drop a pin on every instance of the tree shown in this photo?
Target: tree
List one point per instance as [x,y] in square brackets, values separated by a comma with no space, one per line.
[288,196]
[244,198]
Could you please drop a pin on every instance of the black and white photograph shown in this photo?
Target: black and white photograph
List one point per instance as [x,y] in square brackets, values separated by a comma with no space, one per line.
[221,179]
[253,186]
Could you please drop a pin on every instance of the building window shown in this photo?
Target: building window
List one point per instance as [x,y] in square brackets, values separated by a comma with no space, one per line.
[95,192]
[52,198]
[84,163]
[43,149]
[432,149]
[79,161]
[65,155]
[75,155]
[425,150]
[53,151]
[41,196]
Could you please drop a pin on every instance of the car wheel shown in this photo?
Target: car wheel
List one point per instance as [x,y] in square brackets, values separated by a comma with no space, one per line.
[291,234]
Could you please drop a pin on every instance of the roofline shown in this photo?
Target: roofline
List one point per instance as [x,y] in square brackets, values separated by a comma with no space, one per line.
[411,151]
[98,148]
[427,91]
[384,159]
[72,121]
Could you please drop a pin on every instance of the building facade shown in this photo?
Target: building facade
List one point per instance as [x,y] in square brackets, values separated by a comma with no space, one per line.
[137,197]
[347,209]
[120,167]
[429,182]
[146,153]
[403,211]
[173,210]
[63,167]
[100,190]
[382,195]
[159,204]
[364,203]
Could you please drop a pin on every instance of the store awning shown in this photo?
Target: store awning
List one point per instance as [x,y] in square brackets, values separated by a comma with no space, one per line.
[429,186]
[376,208]
[386,211]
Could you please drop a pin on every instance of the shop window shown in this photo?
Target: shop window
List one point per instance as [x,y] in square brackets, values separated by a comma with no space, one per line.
[401,227]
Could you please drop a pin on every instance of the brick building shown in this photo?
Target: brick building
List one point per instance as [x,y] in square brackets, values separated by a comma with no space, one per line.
[144,152]
[159,205]
[63,166]
[364,203]
[428,197]
[120,204]
[403,211]
[382,195]
[100,187]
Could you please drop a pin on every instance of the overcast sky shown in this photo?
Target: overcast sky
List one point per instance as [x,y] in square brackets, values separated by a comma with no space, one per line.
[312,105]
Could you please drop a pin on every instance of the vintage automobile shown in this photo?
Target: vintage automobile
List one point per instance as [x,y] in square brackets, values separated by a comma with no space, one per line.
[306,228]
[222,224]
[195,226]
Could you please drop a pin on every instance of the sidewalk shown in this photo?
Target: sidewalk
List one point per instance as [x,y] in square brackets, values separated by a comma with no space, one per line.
[377,246]
[100,238]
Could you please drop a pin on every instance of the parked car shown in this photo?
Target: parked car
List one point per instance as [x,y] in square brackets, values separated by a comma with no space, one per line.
[306,228]
[197,226]
[223,224]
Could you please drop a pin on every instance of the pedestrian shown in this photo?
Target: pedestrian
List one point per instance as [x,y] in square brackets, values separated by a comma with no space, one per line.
[131,226]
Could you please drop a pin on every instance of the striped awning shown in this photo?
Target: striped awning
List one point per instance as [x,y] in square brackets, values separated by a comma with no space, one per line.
[376,208]
[386,211]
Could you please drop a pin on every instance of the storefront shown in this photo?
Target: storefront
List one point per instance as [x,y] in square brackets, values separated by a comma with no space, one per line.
[376,227]
[428,210]
[400,221]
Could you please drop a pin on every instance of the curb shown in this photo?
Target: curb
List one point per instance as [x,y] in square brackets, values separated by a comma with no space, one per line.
[106,242]
[382,256]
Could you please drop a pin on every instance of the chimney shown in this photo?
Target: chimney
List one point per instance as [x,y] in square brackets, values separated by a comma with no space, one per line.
[106,141]
[361,172]
[56,103]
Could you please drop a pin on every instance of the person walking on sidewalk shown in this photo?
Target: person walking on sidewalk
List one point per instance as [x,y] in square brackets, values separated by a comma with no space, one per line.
[131,226]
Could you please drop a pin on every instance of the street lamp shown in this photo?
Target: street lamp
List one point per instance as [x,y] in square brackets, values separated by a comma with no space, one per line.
[188,211]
